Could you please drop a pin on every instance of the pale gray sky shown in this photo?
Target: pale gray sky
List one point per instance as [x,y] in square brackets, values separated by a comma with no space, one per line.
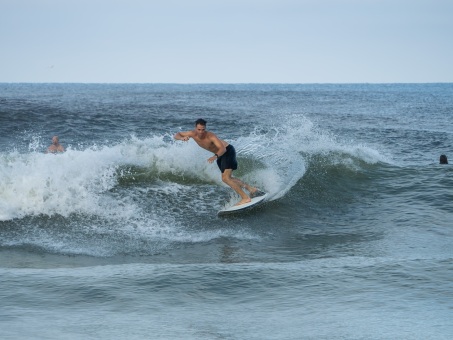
[226,41]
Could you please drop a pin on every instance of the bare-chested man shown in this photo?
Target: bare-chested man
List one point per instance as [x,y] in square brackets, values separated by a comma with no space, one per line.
[225,155]
[55,146]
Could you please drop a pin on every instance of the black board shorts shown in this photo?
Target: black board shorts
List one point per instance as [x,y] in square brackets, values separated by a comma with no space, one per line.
[228,159]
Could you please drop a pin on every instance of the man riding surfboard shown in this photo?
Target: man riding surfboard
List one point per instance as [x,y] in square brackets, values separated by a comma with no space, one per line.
[224,154]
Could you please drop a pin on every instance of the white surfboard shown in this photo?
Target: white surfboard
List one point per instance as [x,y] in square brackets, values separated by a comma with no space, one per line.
[240,208]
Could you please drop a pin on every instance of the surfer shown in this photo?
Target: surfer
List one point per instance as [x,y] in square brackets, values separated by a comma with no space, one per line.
[443,159]
[55,146]
[224,154]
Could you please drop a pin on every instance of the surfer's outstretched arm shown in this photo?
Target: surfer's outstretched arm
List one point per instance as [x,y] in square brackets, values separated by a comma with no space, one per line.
[183,135]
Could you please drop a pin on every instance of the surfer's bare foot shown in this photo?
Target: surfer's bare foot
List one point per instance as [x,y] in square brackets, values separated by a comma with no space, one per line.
[256,193]
[243,201]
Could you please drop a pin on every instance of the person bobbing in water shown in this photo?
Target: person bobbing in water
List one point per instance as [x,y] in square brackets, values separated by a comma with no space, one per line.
[56,146]
[224,154]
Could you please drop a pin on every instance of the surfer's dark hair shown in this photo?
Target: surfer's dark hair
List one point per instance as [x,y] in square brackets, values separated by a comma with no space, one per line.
[200,121]
[443,159]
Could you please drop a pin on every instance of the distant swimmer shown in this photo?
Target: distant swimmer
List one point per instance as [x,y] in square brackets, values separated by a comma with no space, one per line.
[443,159]
[56,146]
[225,155]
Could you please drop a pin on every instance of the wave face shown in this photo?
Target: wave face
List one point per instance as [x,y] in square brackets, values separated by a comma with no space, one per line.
[149,191]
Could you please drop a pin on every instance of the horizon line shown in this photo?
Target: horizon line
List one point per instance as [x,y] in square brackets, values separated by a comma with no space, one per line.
[223,83]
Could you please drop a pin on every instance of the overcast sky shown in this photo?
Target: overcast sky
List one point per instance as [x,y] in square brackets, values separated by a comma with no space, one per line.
[226,41]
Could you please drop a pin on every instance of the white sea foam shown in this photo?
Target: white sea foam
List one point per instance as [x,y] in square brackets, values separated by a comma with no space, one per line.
[52,184]
[80,181]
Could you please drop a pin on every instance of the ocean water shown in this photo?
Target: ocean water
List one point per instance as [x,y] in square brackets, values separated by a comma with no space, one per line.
[119,237]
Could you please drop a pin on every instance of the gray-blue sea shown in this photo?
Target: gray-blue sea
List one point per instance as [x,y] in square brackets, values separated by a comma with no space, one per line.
[119,238]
